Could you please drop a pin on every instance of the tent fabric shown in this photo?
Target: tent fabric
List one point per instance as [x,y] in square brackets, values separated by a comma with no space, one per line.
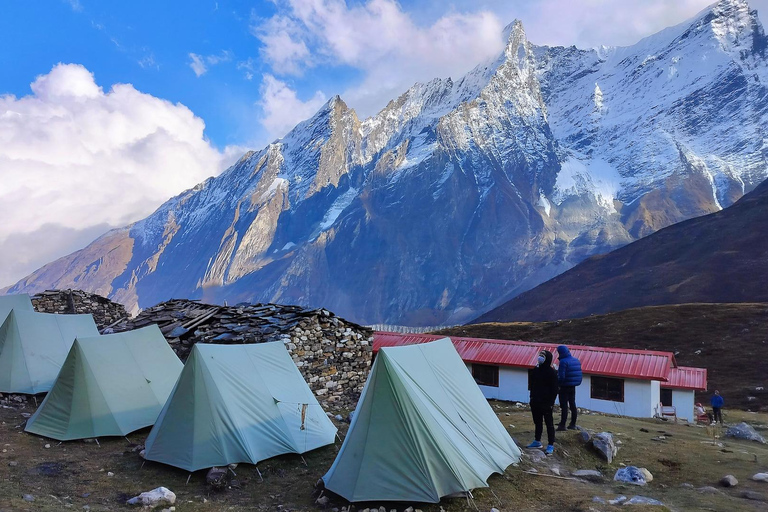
[422,430]
[237,403]
[109,386]
[19,302]
[33,346]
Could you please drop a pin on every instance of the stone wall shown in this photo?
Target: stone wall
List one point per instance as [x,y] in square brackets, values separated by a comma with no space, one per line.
[104,311]
[332,354]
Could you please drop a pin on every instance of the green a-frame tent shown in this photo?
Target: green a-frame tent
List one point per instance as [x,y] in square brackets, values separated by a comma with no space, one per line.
[237,403]
[422,430]
[109,386]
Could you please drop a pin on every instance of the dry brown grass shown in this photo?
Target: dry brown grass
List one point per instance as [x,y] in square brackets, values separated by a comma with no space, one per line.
[76,472]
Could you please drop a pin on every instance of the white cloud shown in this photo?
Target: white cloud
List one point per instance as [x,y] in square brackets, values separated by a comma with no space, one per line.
[380,39]
[201,63]
[282,108]
[75,5]
[75,157]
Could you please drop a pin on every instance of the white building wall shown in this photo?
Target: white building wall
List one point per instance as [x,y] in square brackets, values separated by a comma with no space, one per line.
[684,401]
[513,385]
[641,397]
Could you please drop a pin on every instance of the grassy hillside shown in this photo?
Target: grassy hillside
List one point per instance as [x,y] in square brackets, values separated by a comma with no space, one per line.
[730,340]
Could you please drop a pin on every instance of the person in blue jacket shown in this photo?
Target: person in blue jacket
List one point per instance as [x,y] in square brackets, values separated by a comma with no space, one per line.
[717,404]
[568,376]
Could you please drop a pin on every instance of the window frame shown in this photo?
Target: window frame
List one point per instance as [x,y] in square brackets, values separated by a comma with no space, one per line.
[494,382]
[609,396]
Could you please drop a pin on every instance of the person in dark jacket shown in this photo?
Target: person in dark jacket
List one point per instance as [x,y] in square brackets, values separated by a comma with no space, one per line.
[717,404]
[542,382]
[568,377]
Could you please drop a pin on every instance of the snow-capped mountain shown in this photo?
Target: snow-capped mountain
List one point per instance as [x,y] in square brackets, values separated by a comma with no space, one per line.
[461,193]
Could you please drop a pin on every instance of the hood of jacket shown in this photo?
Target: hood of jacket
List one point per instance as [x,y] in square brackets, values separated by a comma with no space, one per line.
[547,358]
[563,352]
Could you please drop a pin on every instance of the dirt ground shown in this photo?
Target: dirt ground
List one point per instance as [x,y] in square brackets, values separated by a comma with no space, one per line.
[73,475]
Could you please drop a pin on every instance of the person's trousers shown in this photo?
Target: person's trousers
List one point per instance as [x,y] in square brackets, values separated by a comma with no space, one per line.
[543,415]
[717,415]
[568,400]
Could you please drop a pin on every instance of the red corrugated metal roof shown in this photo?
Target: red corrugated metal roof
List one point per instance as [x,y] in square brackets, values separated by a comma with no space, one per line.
[684,377]
[614,362]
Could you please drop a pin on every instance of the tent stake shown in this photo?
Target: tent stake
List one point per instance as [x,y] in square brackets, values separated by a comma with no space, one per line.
[232,470]
[35,398]
[142,465]
[302,460]
[259,472]
[190,476]
[97,441]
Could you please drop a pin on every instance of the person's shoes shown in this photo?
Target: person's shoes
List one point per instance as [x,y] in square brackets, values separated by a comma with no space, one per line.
[561,428]
[550,449]
[535,444]
[571,427]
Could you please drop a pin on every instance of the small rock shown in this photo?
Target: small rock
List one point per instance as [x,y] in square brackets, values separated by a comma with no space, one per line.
[603,443]
[686,485]
[493,510]
[47,445]
[154,498]
[13,463]
[109,473]
[585,436]
[760,477]
[322,501]
[708,489]
[28,497]
[630,475]
[729,481]
[642,500]
[644,430]
[555,471]
[647,474]
[617,501]
[588,474]
[598,499]
[409,509]
[86,508]
[752,495]
[339,417]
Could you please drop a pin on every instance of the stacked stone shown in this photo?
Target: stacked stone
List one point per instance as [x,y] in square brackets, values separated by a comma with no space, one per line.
[104,311]
[332,354]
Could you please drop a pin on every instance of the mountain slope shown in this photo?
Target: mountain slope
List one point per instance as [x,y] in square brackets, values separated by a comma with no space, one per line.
[460,194]
[722,257]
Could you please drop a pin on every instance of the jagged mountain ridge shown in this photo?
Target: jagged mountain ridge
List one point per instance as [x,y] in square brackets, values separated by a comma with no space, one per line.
[460,194]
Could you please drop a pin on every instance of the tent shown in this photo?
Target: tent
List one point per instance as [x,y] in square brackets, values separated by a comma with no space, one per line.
[237,403]
[109,386]
[19,302]
[422,430]
[33,347]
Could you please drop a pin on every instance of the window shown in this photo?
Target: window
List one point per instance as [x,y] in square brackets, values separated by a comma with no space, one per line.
[606,388]
[666,397]
[486,375]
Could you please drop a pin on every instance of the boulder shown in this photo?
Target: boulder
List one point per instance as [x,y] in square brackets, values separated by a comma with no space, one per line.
[744,431]
[603,443]
[760,477]
[154,498]
[729,481]
[588,474]
[631,475]
[708,489]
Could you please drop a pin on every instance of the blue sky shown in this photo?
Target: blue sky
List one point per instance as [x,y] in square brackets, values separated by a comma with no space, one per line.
[109,108]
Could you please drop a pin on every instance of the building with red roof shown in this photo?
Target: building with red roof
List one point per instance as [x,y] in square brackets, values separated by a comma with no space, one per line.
[618,381]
